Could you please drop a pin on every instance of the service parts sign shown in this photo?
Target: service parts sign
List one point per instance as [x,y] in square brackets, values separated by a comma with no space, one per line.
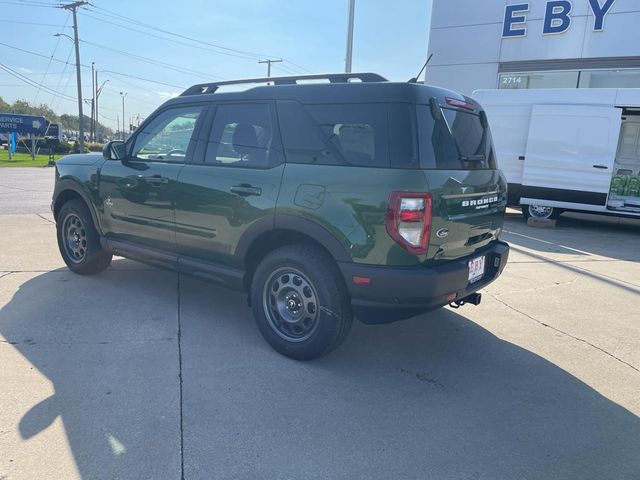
[25,124]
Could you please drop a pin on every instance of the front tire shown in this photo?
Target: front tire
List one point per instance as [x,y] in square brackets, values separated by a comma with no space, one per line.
[539,211]
[79,241]
[300,302]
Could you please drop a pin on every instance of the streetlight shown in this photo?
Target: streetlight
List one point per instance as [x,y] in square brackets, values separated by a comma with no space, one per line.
[349,56]
[123,94]
[79,81]
[98,92]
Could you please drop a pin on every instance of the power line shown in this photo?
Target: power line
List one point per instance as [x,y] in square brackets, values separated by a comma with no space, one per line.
[18,22]
[210,48]
[177,42]
[153,61]
[44,76]
[33,83]
[298,66]
[37,2]
[138,23]
[30,52]
[24,4]
[144,79]
[64,70]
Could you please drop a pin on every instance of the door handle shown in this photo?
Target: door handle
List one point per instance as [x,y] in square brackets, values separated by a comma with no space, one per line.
[245,190]
[601,167]
[521,157]
[157,179]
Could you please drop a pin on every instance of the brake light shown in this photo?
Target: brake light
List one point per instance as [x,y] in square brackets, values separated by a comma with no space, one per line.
[408,220]
[454,102]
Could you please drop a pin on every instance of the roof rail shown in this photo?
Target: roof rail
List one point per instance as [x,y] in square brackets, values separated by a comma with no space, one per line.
[290,80]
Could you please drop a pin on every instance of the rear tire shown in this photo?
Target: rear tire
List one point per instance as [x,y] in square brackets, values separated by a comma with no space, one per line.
[79,241]
[300,302]
[538,211]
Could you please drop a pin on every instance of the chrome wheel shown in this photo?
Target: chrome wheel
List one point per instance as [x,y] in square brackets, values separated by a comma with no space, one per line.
[290,304]
[538,211]
[74,238]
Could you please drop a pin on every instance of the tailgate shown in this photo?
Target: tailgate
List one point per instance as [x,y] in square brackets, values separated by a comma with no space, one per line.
[468,211]
[469,193]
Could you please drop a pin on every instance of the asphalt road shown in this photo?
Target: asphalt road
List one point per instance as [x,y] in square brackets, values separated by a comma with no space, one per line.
[142,373]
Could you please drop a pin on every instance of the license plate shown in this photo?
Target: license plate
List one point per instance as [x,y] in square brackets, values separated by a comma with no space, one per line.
[476,269]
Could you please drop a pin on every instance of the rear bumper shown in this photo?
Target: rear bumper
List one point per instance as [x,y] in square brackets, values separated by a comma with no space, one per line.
[401,292]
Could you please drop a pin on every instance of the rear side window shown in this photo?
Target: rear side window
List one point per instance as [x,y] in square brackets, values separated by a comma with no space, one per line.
[242,135]
[358,131]
[366,135]
[457,140]
[304,141]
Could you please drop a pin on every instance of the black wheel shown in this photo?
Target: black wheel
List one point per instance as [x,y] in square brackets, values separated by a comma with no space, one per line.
[78,240]
[300,302]
[538,211]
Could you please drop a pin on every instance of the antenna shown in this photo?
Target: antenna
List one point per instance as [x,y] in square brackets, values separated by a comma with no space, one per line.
[415,79]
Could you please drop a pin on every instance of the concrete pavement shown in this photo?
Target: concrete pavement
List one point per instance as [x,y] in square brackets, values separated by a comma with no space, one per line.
[25,190]
[141,373]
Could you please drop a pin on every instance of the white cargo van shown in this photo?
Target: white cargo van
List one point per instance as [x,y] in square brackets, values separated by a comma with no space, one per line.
[568,149]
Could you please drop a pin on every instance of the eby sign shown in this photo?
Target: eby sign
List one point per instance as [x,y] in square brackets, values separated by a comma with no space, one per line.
[557,17]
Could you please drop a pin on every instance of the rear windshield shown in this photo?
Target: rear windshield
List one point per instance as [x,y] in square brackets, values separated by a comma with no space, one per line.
[455,140]
[384,135]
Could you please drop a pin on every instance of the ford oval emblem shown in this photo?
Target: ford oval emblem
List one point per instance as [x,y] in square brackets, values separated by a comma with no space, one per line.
[443,232]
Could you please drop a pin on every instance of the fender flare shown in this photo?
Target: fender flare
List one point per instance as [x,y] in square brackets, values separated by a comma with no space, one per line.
[67,184]
[297,224]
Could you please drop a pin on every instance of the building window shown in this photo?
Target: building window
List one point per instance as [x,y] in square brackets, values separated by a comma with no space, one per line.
[628,78]
[515,81]
[622,78]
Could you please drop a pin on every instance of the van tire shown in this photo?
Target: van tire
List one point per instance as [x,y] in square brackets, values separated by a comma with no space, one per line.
[300,303]
[531,211]
[85,256]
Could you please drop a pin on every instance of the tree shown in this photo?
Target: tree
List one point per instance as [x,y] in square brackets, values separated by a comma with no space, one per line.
[4,106]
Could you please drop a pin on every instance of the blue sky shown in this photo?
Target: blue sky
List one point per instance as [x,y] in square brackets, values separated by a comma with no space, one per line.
[390,38]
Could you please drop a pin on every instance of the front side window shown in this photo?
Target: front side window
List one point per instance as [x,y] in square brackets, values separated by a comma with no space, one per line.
[166,138]
[242,136]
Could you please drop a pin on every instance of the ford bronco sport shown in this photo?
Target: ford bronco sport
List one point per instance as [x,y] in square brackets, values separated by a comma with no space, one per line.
[322,201]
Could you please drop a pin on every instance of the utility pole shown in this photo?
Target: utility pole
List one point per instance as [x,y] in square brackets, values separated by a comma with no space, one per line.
[123,94]
[74,7]
[269,62]
[348,58]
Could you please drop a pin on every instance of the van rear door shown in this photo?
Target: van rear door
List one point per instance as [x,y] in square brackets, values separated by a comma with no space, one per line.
[570,155]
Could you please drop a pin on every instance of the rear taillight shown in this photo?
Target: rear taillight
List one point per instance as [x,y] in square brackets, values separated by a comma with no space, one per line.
[409,220]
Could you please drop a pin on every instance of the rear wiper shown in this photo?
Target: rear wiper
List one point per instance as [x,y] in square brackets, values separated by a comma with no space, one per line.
[472,158]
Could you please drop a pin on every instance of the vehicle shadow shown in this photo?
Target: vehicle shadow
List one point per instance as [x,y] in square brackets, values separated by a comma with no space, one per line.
[436,396]
[107,343]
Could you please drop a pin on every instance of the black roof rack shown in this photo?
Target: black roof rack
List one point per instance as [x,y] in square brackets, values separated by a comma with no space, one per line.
[290,80]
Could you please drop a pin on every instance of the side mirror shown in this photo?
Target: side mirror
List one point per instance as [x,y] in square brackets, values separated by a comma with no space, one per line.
[114,150]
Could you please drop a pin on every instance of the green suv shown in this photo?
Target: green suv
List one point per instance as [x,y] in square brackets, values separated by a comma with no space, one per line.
[322,201]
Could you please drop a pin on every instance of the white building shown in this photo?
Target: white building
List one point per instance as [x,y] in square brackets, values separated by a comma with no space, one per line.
[534,44]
